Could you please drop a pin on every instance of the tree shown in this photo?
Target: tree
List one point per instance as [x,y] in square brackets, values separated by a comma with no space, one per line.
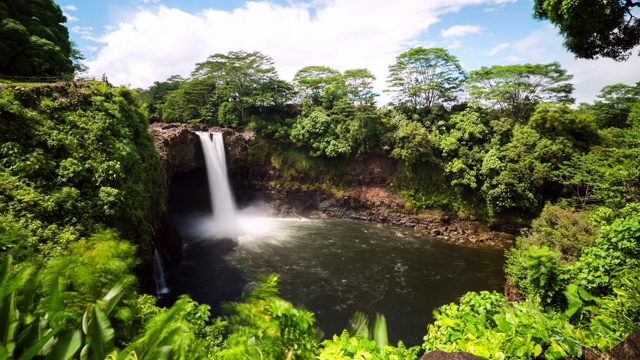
[311,81]
[614,104]
[424,77]
[238,76]
[317,132]
[463,147]
[359,86]
[156,95]
[516,89]
[34,40]
[593,29]
[515,174]
[411,141]
[190,101]
[554,120]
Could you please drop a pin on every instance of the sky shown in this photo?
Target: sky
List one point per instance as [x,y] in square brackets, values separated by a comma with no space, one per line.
[137,42]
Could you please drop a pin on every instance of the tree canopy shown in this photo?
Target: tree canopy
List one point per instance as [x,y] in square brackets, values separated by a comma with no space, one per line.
[34,40]
[516,89]
[424,77]
[593,29]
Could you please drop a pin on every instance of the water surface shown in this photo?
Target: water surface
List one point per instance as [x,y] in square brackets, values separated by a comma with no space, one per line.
[335,268]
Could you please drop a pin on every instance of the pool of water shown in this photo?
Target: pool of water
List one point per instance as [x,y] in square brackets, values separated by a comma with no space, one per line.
[335,268]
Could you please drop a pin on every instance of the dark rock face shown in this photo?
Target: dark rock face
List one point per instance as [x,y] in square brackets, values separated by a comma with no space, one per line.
[441,355]
[628,349]
[178,146]
[180,151]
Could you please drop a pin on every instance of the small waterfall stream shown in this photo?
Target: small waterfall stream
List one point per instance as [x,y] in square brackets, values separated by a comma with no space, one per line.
[158,274]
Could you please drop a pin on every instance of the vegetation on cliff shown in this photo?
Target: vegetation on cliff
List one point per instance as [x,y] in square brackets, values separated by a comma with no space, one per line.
[76,158]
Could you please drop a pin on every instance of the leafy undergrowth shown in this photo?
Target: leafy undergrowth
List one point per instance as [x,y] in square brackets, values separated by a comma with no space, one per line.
[75,158]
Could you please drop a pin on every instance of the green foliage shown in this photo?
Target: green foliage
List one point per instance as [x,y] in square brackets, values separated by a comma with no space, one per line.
[558,120]
[592,30]
[346,347]
[412,142]
[544,276]
[359,87]
[50,330]
[180,332]
[561,229]
[62,148]
[267,327]
[614,105]
[317,83]
[616,250]
[535,272]
[319,134]
[516,172]
[464,146]
[516,89]
[422,78]
[35,41]
[603,216]
[484,326]
[155,96]
[88,268]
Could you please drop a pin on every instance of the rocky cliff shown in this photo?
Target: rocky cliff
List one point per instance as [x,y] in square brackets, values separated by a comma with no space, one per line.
[290,191]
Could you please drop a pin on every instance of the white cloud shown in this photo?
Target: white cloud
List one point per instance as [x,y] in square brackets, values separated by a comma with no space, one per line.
[163,41]
[70,8]
[82,30]
[86,32]
[70,18]
[460,30]
[498,48]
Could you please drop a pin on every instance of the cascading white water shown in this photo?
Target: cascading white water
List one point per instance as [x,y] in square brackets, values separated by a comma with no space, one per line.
[225,213]
[224,207]
[158,274]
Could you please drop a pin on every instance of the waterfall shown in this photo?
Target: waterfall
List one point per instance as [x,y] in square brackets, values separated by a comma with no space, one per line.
[158,274]
[222,202]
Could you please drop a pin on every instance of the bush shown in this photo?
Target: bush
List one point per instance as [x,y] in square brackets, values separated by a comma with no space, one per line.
[561,229]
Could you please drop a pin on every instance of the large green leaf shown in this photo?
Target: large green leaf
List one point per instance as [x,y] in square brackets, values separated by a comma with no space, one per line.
[100,335]
[68,344]
[37,347]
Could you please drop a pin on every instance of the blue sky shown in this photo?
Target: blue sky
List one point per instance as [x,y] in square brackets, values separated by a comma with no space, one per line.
[136,42]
